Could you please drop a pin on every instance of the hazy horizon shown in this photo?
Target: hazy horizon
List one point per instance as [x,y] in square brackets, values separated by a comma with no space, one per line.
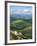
[21,11]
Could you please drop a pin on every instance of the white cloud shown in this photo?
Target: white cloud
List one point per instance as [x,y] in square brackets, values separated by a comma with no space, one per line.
[25,11]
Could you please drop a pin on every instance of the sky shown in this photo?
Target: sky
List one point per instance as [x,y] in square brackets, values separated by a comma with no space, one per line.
[20,10]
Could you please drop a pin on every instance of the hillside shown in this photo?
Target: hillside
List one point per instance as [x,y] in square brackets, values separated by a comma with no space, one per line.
[21,27]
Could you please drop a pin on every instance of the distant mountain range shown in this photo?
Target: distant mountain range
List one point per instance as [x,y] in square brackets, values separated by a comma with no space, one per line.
[21,16]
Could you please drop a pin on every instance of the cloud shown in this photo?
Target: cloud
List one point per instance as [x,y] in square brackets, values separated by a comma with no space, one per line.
[21,10]
[25,11]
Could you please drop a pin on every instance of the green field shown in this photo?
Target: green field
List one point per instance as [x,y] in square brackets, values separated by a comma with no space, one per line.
[20,29]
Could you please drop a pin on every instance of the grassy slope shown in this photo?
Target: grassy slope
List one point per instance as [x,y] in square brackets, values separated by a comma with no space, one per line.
[21,26]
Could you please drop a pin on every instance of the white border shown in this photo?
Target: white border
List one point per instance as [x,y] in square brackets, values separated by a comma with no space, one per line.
[8,23]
